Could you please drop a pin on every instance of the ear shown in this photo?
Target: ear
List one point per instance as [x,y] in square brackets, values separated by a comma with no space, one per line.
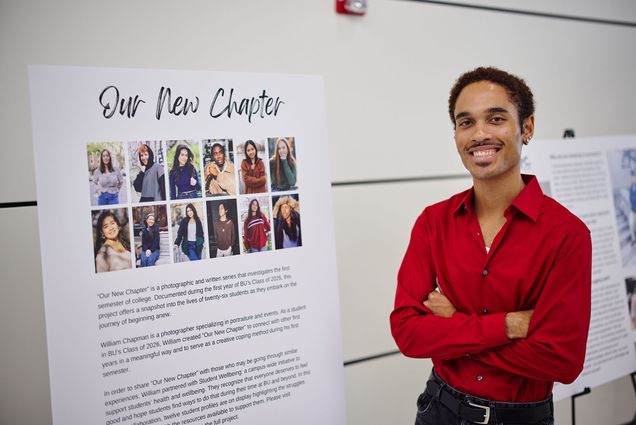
[528,129]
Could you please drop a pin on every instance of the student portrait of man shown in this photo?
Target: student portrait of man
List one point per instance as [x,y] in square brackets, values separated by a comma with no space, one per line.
[219,173]
[495,285]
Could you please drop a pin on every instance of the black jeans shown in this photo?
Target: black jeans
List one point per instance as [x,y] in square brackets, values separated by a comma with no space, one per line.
[430,411]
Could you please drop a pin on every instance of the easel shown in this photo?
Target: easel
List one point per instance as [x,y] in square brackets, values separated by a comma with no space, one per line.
[586,390]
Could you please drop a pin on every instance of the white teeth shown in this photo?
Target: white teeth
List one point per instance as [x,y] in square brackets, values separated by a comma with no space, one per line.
[484,153]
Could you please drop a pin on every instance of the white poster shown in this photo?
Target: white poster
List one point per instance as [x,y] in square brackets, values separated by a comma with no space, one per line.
[595,178]
[187,246]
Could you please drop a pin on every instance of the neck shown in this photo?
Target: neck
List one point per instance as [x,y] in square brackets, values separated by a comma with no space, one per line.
[115,244]
[494,196]
[223,218]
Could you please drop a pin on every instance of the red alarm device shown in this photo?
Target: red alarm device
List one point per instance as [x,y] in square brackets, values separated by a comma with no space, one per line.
[351,7]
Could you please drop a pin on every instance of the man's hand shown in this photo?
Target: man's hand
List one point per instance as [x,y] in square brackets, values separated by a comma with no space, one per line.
[439,305]
[211,169]
[517,323]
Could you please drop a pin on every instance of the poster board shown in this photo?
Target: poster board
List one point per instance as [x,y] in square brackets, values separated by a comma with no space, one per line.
[595,178]
[170,320]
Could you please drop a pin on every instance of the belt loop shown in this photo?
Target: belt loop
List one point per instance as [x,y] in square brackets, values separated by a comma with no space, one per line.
[438,396]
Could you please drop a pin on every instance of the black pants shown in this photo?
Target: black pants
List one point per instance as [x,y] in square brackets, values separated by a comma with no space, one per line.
[430,411]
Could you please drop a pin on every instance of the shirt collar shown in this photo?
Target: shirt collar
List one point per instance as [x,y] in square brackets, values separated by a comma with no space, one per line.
[465,202]
[528,201]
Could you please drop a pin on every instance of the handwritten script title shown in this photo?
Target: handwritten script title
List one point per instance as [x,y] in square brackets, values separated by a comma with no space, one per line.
[224,104]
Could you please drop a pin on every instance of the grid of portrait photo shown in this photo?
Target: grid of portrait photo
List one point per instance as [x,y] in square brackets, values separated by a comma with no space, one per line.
[159,202]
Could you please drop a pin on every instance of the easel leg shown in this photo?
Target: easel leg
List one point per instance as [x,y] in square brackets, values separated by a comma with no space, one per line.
[586,390]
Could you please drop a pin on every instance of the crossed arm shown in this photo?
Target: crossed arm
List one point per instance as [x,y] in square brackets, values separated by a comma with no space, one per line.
[516,322]
[546,342]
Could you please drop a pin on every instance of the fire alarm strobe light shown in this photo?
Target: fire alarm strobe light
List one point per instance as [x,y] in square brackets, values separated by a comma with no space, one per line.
[351,7]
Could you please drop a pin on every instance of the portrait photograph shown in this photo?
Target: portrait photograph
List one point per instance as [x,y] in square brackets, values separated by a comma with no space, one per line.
[184,173]
[111,240]
[218,165]
[252,156]
[106,173]
[188,231]
[223,234]
[147,171]
[283,164]
[150,235]
[287,231]
[256,223]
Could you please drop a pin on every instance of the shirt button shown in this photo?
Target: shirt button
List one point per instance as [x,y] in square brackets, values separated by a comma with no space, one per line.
[485,311]
[480,378]
[485,272]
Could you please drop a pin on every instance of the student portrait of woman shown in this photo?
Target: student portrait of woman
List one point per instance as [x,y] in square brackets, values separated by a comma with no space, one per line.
[255,228]
[184,179]
[225,228]
[149,241]
[108,180]
[190,234]
[112,247]
[282,166]
[287,225]
[253,170]
[150,181]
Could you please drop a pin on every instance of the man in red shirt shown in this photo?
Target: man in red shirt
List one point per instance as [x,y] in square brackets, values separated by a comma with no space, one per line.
[495,284]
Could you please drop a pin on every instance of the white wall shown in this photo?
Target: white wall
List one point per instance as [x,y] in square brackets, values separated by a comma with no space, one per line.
[387,77]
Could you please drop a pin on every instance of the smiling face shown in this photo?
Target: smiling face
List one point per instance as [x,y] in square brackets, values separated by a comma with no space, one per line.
[254,206]
[189,212]
[487,132]
[106,157]
[110,228]
[282,149]
[143,157]
[183,157]
[150,221]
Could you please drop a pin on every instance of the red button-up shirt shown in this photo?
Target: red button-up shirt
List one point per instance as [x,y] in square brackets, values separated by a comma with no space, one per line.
[541,259]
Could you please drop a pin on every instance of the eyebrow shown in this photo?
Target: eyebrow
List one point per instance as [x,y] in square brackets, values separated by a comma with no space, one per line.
[461,115]
[489,110]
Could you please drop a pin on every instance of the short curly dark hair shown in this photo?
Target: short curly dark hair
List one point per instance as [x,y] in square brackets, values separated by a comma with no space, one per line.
[518,91]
